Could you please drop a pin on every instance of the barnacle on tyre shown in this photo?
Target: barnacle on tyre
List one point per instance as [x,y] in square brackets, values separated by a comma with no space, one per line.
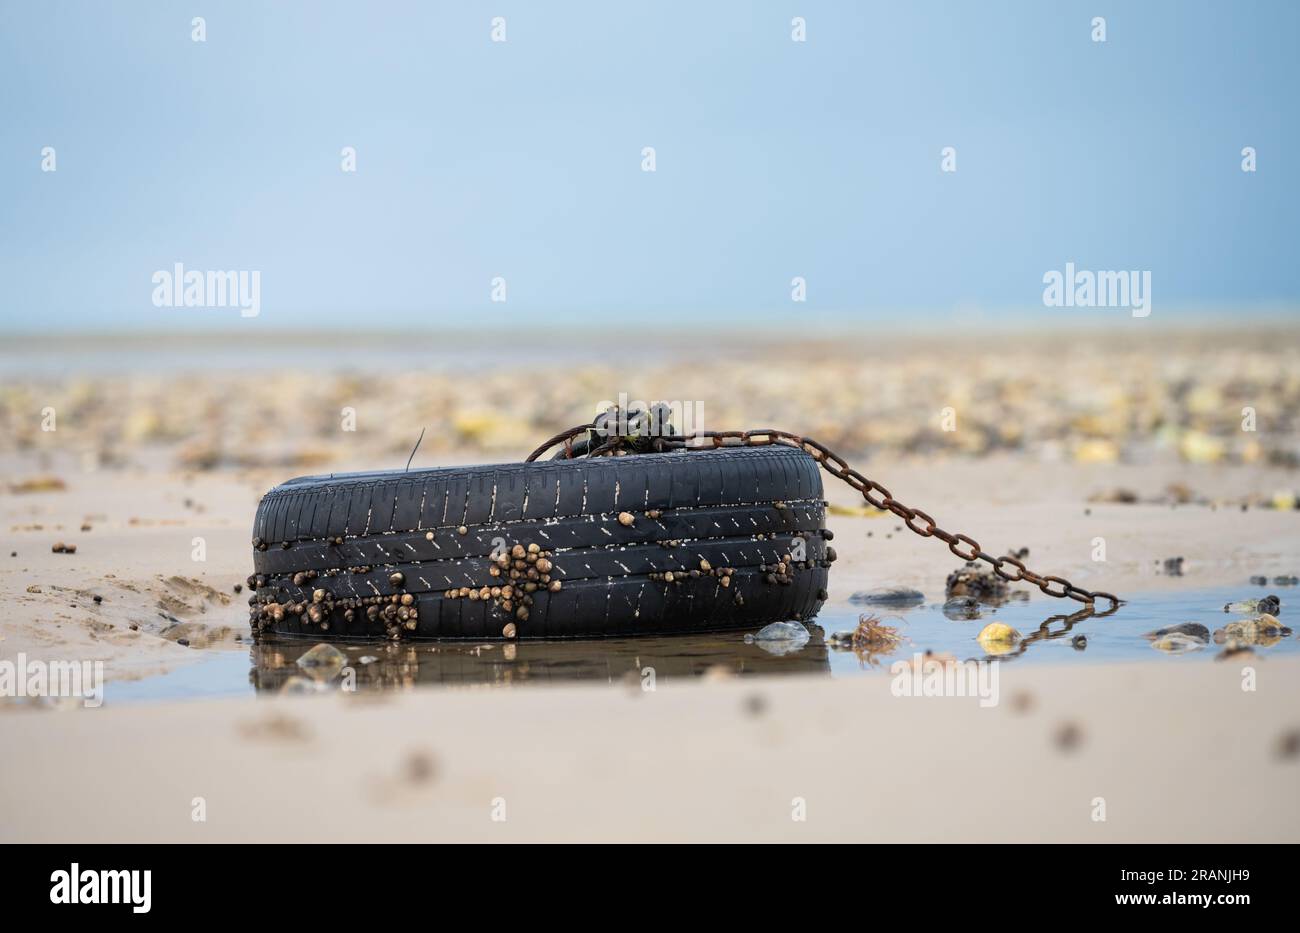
[426,541]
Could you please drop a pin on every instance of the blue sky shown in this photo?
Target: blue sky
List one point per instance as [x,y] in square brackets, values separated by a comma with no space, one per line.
[522,159]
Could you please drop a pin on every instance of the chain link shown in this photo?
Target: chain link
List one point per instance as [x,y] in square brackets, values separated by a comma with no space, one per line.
[876,495]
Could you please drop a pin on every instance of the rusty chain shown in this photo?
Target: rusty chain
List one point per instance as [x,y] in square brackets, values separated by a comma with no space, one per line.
[876,495]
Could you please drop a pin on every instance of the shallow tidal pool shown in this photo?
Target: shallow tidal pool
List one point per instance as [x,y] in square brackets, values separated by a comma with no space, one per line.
[1048,635]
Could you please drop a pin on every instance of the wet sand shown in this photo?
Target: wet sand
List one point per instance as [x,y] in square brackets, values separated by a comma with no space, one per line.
[147,528]
[1178,751]
[1174,754]
[139,552]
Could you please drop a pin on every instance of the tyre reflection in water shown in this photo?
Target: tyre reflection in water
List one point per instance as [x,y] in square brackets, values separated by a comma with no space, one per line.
[390,666]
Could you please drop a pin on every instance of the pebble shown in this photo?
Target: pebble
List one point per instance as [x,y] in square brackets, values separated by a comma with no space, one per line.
[1118,495]
[997,638]
[420,768]
[779,638]
[1269,605]
[888,596]
[625,518]
[1288,745]
[1068,737]
[1285,500]
[977,581]
[1193,630]
[1265,631]
[1176,643]
[322,661]
[961,608]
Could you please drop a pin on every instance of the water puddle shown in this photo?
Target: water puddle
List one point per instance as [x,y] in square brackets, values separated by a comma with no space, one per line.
[1048,636]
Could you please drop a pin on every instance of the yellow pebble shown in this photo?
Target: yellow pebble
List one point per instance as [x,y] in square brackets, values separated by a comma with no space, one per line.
[997,638]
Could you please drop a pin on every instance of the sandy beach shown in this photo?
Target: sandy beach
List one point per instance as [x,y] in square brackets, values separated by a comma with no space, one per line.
[138,555]
[1176,754]
[1022,275]
[154,480]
